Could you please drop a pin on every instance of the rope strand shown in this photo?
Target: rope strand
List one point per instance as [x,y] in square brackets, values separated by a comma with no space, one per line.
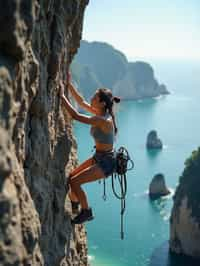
[104,190]
[122,159]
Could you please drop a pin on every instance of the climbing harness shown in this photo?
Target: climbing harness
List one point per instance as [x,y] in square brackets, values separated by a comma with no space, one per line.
[122,161]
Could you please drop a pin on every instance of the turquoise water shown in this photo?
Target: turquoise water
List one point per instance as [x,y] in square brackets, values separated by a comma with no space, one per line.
[176,118]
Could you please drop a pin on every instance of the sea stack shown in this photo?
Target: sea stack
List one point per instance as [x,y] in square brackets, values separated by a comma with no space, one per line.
[153,142]
[157,187]
[185,216]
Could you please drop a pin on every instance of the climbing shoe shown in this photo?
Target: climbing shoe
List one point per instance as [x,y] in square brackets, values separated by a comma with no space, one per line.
[75,206]
[84,216]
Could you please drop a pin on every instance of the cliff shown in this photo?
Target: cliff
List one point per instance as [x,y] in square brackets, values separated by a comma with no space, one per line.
[99,64]
[38,40]
[185,216]
[139,82]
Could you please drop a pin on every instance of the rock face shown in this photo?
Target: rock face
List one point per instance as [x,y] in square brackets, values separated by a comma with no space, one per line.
[153,142]
[185,216]
[107,63]
[157,187]
[38,40]
[139,82]
[99,64]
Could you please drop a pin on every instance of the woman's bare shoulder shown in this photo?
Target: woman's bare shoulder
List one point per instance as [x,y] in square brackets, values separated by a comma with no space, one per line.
[104,123]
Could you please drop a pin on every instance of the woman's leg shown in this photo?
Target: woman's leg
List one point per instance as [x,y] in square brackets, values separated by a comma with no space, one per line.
[90,174]
[77,170]
[82,166]
[72,196]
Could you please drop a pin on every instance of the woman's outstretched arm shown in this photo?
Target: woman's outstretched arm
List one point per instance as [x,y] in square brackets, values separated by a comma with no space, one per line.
[92,120]
[80,99]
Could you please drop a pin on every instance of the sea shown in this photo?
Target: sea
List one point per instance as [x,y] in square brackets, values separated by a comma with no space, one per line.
[176,118]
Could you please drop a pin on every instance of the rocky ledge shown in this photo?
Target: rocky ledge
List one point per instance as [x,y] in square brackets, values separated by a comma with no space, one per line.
[38,40]
[185,216]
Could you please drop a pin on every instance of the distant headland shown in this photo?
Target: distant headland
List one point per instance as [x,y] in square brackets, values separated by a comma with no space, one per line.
[99,64]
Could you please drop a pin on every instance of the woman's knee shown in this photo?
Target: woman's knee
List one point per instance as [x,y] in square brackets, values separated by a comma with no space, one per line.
[74,184]
[70,176]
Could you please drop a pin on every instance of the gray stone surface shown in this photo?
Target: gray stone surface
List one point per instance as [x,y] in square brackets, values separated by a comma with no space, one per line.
[37,43]
[185,215]
[139,82]
[185,231]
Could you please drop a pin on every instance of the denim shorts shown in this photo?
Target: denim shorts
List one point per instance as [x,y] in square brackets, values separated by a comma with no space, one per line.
[106,161]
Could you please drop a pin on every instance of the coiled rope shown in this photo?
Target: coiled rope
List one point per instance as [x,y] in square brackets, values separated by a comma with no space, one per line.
[122,161]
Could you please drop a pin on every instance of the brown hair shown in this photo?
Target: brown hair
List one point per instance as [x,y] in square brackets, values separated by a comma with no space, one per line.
[106,96]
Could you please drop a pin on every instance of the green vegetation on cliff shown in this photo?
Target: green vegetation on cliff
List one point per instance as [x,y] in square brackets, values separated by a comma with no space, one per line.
[189,185]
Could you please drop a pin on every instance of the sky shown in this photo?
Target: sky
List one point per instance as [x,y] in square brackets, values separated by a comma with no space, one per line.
[146,29]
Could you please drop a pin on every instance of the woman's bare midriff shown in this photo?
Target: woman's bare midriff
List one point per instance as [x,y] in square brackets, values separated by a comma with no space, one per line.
[103,147]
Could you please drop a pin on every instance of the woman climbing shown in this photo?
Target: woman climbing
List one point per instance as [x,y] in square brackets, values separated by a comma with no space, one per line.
[103,130]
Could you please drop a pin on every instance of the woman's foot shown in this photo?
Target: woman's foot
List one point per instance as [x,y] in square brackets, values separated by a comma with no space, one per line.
[84,216]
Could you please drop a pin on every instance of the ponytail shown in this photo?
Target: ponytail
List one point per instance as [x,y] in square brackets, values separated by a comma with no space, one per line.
[107,97]
[116,99]
[114,122]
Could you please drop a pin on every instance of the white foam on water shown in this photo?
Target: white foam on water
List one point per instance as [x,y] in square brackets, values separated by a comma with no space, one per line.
[94,247]
[142,194]
[166,217]
[91,258]
[158,97]
[140,101]
[169,196]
